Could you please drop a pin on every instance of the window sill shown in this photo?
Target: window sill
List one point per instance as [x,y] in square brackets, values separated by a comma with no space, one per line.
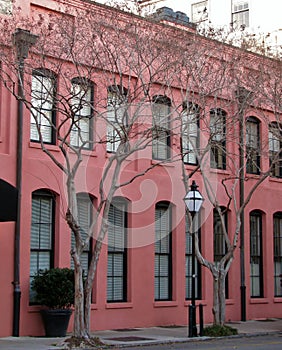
[277,300]
[109,154]
[119,305]
[259,301]
[275,179]
[167,162]
[169,303]
[191,165]
[54,148]
[198,302]
[219,171]
[34,308]
[252,176]
[93,307]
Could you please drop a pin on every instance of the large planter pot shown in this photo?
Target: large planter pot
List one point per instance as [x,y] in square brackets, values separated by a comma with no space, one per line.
[56,322]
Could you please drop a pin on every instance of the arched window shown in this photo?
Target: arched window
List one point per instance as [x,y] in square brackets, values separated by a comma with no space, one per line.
[256,263]
[85,214]
[218,138]
[43,118]
[190,132]
[163,252]
[42,233]
[161,126]
[275,146]
[117,252]
[219,242]
[117,116]
[277,253]
[82,108]
[253,145]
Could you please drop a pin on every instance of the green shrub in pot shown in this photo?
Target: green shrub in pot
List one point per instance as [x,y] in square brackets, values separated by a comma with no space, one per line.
[54,289]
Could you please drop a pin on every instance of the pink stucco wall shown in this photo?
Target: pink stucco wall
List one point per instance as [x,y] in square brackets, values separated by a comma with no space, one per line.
[164,183]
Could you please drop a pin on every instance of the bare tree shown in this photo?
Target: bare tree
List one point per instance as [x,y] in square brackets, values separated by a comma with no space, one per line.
[130,62]
[237,85]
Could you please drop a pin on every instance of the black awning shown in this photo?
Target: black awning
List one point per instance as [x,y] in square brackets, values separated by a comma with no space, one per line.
[8,201]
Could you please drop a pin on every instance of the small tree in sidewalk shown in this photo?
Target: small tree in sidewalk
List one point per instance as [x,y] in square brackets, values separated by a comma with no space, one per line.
[253,86]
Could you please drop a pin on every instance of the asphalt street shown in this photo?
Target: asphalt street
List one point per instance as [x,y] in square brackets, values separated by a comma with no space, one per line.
[258,342]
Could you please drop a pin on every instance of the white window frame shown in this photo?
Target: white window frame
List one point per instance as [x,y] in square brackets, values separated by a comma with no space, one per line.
[163,252]
[82,101]
[117,117]
[42,234]
[277,253]
[190,133]
[161,110]
[240,14]
[218,138]
[253,145]
[256,255]
[85,215]
[42,107]
[275,145]
[199,12]
[117,252]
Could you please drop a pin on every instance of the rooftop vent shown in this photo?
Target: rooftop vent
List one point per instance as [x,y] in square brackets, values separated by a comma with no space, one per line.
[167,14]
[181,17]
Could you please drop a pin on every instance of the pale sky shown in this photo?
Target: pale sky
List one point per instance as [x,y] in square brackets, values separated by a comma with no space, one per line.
[176,5]
[267,18]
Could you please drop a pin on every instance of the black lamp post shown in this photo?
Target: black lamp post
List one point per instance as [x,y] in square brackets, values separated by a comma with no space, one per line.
[23,40]
[193,201]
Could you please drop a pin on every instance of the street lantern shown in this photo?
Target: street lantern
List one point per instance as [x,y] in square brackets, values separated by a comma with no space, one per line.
[193,201]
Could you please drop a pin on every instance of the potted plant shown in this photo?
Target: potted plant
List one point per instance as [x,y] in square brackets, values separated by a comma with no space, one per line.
[54,289]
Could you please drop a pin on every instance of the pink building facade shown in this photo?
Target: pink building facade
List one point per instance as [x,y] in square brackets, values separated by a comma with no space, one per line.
[139,295]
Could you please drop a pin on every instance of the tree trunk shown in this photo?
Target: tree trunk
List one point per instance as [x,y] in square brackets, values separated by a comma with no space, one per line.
[215,309]
[89,285]
[219,298]
[79,329]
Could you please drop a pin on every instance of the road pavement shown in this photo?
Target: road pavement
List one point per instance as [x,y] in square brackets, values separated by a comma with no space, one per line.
[143,336]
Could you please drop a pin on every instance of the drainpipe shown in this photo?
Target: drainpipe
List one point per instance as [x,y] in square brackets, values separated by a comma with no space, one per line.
[241,96]
[22,40]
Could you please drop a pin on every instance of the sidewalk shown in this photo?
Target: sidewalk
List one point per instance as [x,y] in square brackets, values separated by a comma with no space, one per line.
[139,336]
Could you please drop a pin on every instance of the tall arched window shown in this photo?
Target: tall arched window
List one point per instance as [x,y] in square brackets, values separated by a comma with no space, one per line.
[277,253]
[82,108]
[85,214]
[117,116]
[219,242]
[275,146]
[43,118]
[161,127]
[218,138]
[253,145]
[42,233]
[117,252]
[190,132]
[163,252]
[256,263]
